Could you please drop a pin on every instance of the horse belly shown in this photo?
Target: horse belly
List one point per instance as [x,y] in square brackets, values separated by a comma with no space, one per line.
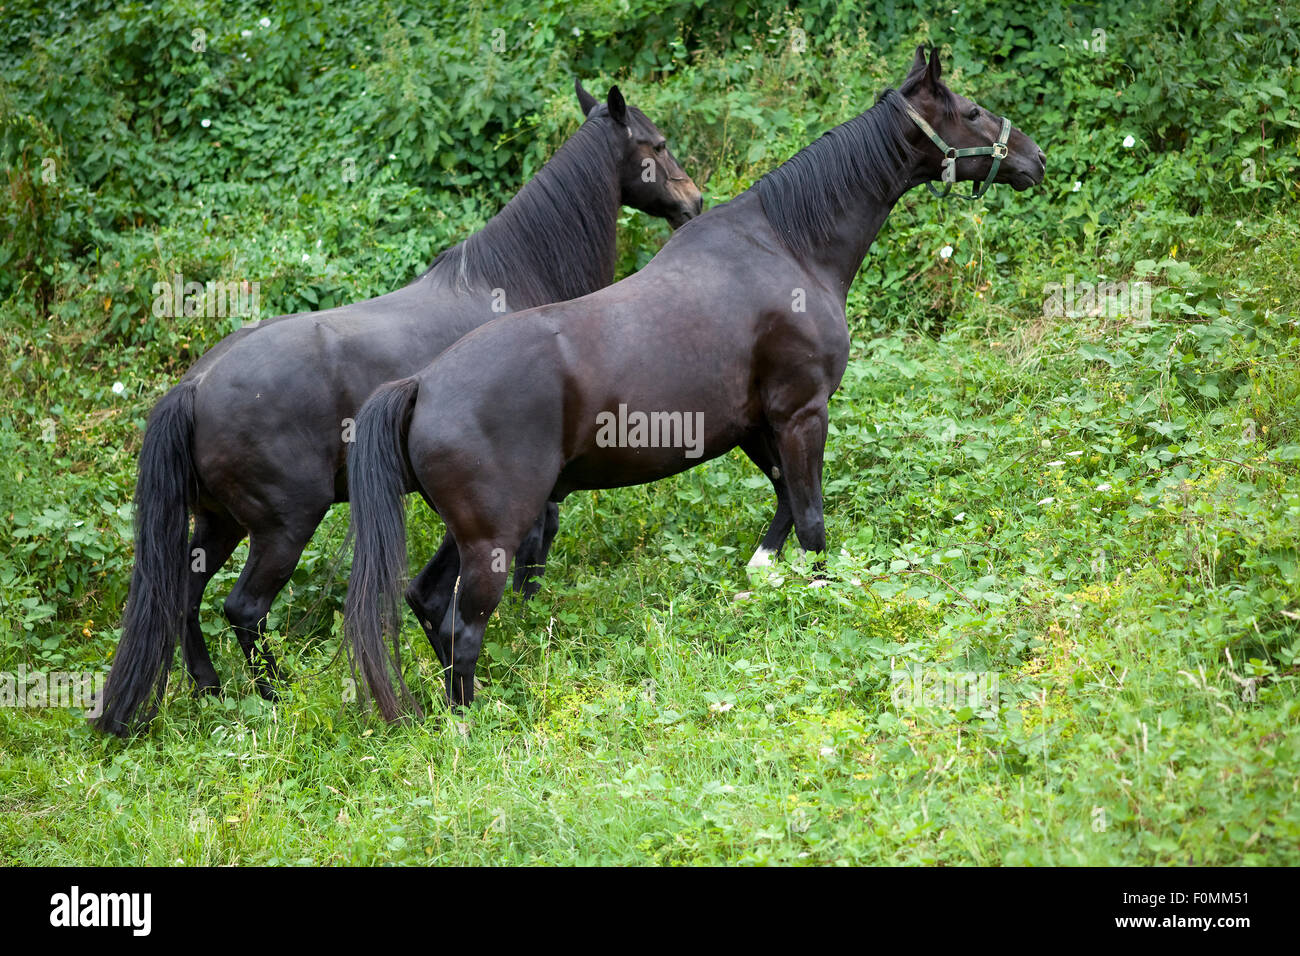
[627,450]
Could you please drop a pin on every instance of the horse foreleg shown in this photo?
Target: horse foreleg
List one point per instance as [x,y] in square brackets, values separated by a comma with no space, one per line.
[800,445]
[761,452]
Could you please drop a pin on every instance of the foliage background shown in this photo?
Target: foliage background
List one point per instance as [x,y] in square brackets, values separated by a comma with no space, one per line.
[1103,510]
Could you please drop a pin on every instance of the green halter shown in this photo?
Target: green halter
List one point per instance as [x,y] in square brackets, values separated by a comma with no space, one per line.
[950,156]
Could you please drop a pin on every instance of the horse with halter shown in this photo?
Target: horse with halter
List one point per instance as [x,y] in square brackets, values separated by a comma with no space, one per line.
[737,326]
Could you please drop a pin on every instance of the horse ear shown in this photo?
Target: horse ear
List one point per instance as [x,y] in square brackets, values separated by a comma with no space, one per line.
[617,106]
[585,99]
[918,61]
[934,71]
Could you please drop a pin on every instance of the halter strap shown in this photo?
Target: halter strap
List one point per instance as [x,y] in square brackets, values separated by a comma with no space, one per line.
[998,151]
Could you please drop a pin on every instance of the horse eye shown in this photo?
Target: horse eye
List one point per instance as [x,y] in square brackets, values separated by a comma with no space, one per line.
[661,147]
[974,113]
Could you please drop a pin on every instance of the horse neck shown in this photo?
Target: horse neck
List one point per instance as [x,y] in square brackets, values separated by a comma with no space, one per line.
[838,247]
[854,232]
[556,239]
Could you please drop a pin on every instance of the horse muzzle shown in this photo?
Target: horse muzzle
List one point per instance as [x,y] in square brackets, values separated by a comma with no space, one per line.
[689,203]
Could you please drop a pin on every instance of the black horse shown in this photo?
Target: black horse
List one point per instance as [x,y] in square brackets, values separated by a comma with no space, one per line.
[253,439]
[734,335]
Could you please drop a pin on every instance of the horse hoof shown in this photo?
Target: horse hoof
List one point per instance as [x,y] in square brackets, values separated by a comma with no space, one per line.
[207,690]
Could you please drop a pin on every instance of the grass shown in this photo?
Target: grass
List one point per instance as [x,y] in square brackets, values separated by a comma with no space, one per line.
[1101,512]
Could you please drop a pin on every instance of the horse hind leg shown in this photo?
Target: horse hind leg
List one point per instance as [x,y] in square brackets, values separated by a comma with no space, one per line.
[214,540]
[475,595]
[430,593]
[272,557]
[530,560]
[488,501]
[482,581]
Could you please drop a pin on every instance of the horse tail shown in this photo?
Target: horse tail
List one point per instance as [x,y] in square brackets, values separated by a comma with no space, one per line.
[377,483]
[165,491]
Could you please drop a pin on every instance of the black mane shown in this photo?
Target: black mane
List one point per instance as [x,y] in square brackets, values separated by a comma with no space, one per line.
[803,196]
[555,240]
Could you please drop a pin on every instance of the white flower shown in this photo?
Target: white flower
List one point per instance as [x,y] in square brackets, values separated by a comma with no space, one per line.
[1047,501]
[1128,142]
[318,242]
[206,123]
[1077,186]
[305,257]
[959,516]
[392,155]
[1055,464]
[245,33]
[1104,486]
[827,751]
[119,388]
[945,252]
[264,22]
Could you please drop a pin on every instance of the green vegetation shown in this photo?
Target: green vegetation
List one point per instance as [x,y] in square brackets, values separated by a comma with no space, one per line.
[1095,502]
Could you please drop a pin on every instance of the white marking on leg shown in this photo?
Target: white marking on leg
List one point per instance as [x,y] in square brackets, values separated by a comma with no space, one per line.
[776,473]
[762,558]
